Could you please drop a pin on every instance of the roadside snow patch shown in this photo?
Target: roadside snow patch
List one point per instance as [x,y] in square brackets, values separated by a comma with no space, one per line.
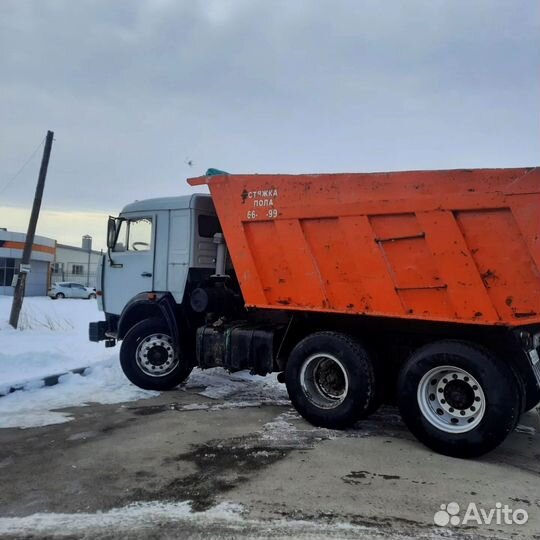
[225,520]
[138,515]
[248,390]
[102,383]
[53,339]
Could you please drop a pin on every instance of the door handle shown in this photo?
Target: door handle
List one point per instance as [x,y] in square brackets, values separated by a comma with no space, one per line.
[146,274]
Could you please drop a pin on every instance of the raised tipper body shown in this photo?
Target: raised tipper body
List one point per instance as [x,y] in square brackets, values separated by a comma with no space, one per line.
[455,246]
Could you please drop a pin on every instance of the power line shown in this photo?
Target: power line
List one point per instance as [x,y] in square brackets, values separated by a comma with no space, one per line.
[10,181]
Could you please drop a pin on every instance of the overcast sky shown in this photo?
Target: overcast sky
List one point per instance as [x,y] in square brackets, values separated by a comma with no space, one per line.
[136,89]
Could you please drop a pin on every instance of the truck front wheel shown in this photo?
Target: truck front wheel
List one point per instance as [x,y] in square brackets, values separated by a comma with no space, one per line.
[458,399]
[150,359]
[330,380]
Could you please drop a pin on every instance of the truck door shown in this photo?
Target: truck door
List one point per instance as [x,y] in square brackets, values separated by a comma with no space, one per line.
[130,269]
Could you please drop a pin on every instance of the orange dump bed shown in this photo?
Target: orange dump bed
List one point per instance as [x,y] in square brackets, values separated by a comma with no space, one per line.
[458,245]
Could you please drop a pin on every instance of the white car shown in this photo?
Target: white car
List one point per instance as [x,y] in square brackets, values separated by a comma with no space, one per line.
[67,289]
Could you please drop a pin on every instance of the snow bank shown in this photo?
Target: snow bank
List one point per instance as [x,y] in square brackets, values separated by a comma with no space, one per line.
[103,383]
[53,339]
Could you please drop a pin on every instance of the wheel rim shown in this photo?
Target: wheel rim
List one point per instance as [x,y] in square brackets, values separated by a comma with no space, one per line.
[156,356]
[324,380]
[451,399]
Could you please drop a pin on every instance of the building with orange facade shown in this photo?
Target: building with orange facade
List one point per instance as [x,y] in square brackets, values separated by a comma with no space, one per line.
[11,250]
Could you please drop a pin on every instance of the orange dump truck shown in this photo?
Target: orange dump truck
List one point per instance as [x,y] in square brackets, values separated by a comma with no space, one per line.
[421,287]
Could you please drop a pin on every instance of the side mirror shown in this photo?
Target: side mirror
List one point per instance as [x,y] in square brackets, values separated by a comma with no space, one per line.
[111,232]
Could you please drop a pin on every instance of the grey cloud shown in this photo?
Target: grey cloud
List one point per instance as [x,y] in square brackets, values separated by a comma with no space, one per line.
[134,88]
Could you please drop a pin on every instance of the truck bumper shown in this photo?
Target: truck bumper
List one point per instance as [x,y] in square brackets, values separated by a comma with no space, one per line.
[104,330]
[97,331]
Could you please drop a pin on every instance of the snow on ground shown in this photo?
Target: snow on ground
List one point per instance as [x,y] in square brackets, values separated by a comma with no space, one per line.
[53,338]
[125,518]
[227,518]
[103,383]
[216,383]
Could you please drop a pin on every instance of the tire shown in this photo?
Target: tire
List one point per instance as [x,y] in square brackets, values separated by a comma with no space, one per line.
[150,359]
[379,390]
[458,399]
[330,380]
[91,296]
[59,295]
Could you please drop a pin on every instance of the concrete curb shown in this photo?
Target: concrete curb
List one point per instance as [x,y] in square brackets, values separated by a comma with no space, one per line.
[49,380]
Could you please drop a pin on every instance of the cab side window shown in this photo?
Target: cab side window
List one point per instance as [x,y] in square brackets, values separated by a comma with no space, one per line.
[208,226]
[134,235]
[140,234]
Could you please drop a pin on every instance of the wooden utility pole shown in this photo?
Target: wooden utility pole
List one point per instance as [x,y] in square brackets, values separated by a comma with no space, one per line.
[18,295]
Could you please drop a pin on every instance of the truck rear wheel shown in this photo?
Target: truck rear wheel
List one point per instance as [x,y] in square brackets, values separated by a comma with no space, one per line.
[330,380]
[150,359]
[458,399]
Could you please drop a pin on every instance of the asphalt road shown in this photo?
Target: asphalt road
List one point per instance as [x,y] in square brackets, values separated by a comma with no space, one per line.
[250,471]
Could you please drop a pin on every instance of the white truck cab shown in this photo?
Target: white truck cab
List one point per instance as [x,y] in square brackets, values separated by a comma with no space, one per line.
[152,245]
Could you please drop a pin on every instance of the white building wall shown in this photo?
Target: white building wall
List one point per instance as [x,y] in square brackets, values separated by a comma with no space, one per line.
[71,264]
